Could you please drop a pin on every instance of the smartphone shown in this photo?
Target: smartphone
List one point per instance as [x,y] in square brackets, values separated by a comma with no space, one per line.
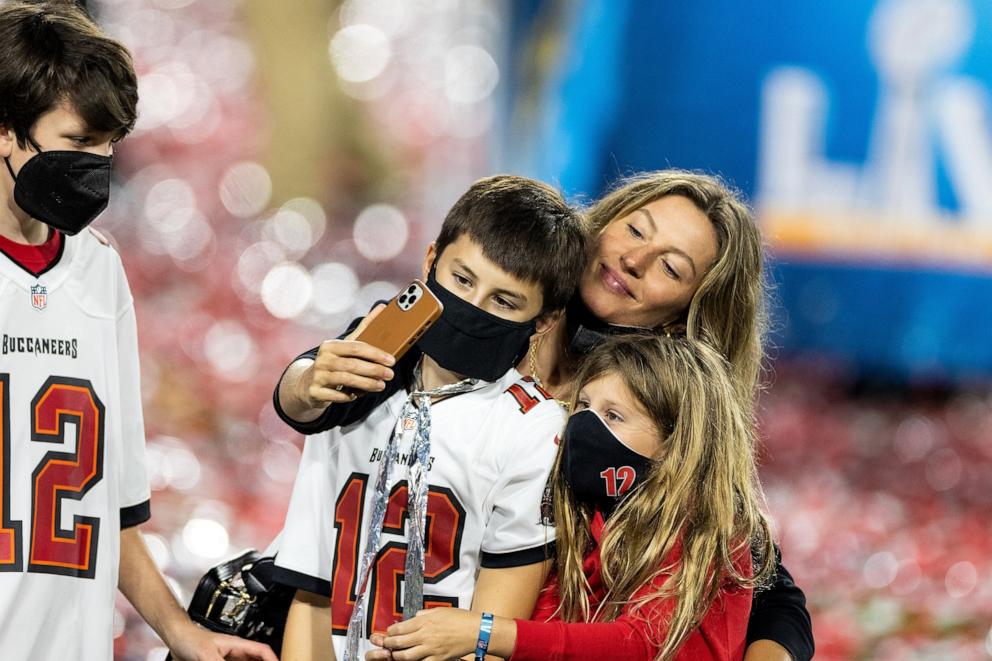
[406,317]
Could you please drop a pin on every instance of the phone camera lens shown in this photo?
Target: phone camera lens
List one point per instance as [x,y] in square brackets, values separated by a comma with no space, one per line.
[403,299]
[413,299]
[411,289]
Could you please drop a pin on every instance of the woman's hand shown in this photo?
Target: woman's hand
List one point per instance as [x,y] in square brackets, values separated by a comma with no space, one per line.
[436,634]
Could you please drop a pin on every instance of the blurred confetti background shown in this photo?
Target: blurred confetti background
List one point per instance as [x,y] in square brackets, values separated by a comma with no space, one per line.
[292,160]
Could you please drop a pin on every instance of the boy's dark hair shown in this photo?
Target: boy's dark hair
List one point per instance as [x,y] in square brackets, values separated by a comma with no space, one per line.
[526,228]
[54,53]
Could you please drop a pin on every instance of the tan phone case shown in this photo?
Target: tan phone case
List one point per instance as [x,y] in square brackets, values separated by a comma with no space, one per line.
[406,317]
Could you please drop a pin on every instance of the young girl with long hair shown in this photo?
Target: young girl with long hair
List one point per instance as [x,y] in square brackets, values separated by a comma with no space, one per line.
[660,534]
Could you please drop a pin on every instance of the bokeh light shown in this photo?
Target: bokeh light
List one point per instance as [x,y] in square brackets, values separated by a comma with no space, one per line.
[359,52]
[335,286]
[880,569]
[286,290]
[206,538]
[245,189]
[470,74]
[961,579]
[380,232]
[230,350]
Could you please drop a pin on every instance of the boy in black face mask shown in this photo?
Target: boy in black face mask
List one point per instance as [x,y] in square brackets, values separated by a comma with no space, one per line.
[440,484]
[73,486]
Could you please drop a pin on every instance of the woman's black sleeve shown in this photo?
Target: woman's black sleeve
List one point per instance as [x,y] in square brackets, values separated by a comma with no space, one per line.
[778,613]
[339,415]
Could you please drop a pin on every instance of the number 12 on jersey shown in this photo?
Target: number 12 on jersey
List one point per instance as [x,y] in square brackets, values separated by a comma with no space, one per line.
[58,476]
[445,522]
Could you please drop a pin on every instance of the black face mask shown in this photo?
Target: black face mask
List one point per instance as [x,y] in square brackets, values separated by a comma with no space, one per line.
[471,342]
[64,189]
[586,332]
[598,467]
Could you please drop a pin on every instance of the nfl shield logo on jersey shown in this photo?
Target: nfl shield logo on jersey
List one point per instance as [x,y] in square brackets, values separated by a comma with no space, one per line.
[39,297]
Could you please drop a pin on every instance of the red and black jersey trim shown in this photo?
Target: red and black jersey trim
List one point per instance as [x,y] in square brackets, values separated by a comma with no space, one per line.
[136,514]
[295,579]
[52,264]
[518,558]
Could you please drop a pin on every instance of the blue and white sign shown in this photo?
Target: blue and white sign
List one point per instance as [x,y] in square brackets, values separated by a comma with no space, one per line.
[861,132]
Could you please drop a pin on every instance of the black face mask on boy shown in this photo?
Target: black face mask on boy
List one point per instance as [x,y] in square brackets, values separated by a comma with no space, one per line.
[470,341]
[599,467]
[64,189]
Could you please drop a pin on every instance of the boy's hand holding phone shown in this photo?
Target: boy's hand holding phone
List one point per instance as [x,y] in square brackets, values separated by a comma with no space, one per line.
[346,368]
[362,361]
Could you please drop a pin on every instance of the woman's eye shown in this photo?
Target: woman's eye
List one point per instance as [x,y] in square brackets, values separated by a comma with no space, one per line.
[634,232]
[613,416]
[581,405]
[672,273]
[461,280]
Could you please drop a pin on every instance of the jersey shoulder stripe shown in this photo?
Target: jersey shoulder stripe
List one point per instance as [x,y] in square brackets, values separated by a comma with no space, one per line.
[518,558]
[527,394]
[301,580]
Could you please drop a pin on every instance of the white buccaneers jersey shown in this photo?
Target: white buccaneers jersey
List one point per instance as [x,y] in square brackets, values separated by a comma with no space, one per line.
[73,467]
[491,454]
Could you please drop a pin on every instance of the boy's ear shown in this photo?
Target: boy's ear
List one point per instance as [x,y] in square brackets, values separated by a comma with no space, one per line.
[547,321]
[429,259]
[7,140]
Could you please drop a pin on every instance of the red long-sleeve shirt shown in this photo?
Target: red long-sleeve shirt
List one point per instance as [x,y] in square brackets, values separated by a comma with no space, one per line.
[721,634]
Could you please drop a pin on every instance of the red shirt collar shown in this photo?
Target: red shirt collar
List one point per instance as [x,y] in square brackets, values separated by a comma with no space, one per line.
[34,259]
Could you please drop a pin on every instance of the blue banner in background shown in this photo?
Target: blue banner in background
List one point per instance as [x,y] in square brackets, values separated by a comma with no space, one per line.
[860,131]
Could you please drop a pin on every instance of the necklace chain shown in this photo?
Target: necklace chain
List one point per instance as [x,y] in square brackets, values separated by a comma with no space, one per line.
[532,363]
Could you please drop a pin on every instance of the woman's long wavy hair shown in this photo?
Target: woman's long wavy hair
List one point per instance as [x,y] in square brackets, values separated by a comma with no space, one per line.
[702,493]
[729,308]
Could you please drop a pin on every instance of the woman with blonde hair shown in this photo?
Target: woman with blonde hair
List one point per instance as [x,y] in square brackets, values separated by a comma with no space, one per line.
[673,251]
[660,535]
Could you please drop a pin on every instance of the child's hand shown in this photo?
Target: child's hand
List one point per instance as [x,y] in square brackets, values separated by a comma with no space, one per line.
[198,644]
[345,369]
[380,654]
[436,634]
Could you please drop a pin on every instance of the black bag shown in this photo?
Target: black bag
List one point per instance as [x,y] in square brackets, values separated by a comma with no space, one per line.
[241,598]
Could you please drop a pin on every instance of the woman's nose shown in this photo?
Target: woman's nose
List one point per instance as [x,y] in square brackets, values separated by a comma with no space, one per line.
[635,261]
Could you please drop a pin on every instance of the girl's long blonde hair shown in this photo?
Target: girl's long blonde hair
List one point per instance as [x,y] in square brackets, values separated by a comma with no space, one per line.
[702,493]
[728,308]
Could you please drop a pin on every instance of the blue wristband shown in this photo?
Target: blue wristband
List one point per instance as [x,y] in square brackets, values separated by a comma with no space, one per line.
[485,630]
